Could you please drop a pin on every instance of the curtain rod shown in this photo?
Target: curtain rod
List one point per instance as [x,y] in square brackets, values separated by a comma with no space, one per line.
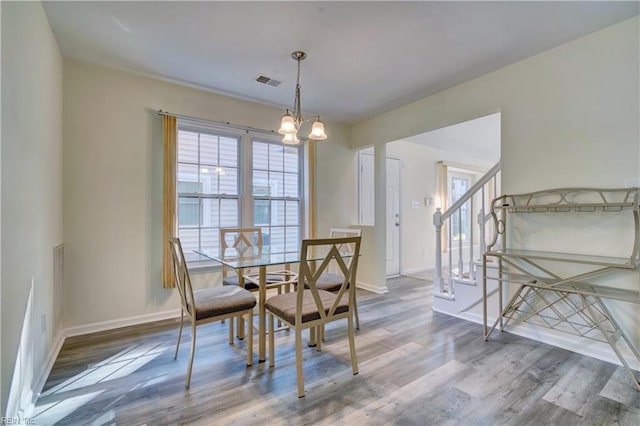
[220,123]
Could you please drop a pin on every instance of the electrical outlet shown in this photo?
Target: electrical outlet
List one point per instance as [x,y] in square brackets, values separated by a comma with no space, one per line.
[43,323]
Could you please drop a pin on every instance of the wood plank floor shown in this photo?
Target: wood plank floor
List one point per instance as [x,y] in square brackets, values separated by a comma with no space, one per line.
[416,367]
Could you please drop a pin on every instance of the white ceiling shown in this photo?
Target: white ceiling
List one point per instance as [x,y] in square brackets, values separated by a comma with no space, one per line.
[478,138]
[363,57]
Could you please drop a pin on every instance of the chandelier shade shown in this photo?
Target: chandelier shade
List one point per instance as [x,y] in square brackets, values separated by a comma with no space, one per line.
[291,122]
[287,125]
[290,139]
[317,130]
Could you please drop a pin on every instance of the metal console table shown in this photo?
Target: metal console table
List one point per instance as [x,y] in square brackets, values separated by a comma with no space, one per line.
[566,301]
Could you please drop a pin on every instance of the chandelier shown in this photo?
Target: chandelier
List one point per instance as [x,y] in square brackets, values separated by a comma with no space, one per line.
[291,123]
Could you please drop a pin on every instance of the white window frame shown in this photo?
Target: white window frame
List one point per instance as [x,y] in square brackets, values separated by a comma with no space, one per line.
[245,182]
[192,258]
[300,198]
[471,178]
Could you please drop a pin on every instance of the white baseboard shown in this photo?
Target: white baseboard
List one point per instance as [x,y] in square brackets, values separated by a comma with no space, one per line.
[119,323]
[570,342]
[51,359]
[372,288]
[43,375]
[477,318]
[87,329]
[584,346]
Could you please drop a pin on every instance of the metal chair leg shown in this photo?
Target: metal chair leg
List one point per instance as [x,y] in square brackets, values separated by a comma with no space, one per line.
[355,312]
[179,333]
[319,336]
[271,341]
[352,345]
[299,371]
[240,328]
[250,337]
[193,351]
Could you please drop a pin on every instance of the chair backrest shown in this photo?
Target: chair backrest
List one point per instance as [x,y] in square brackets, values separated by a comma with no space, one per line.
[236,241]
[183,281]
[315,257]
[343,232]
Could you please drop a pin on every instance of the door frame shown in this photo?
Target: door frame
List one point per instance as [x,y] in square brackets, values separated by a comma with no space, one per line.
[366,212]
[399,206]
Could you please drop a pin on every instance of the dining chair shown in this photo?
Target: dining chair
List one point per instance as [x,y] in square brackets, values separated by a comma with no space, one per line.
[209,304]
[237,242]
[311,307]
[330,280]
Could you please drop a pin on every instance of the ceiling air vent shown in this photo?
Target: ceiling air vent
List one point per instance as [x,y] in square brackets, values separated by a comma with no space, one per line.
[267,80]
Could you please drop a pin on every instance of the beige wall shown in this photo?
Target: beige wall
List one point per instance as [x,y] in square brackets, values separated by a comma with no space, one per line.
[418,180]
[113,186]
[336,166]
[31,187]
[570,117]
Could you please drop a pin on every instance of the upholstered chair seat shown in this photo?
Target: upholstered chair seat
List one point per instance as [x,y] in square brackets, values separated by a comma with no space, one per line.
[216,301]
[284,305]
[311,307]
[209,304]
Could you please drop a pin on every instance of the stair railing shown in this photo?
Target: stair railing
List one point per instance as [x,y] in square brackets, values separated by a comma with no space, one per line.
[479,191]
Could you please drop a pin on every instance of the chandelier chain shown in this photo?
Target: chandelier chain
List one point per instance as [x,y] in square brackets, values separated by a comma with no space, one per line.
[297,108]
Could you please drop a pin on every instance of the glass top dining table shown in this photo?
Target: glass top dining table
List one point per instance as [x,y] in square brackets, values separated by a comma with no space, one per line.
[250,258]
[253,257]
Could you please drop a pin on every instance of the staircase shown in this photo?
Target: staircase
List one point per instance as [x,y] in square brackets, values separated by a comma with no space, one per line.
[458,264]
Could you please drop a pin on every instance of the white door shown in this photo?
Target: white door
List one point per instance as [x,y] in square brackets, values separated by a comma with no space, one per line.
[393,216]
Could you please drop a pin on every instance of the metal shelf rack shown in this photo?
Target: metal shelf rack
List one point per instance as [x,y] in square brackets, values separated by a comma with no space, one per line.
[565,301]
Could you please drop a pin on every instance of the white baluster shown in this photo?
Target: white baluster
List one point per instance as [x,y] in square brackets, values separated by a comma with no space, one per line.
[460,264]
[449,249]
[437,279]
[472,273]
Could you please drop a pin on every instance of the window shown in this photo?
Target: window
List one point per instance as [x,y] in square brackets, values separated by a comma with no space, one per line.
[276,195]
[207,187]
[189,211]
[212,166]
[459,184]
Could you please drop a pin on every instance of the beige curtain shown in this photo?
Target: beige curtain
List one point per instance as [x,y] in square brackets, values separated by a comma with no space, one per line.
[443,197]
[168,199]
